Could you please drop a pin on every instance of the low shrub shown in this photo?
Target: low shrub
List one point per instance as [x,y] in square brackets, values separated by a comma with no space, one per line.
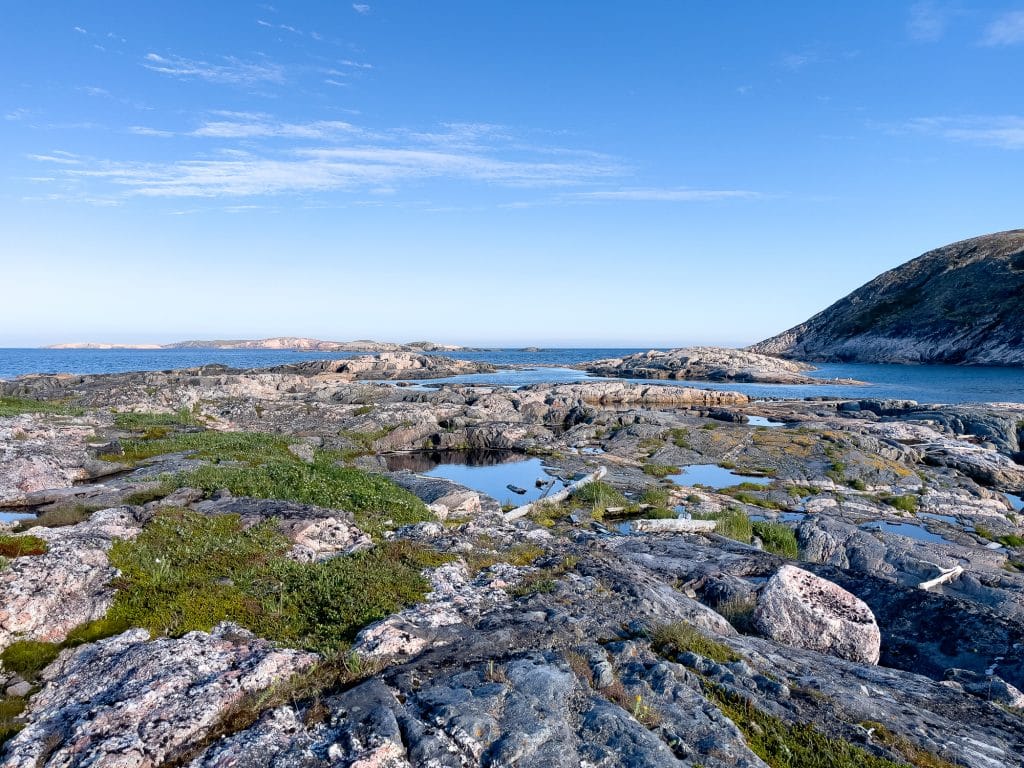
[21,546]
[905,503]
[16,406]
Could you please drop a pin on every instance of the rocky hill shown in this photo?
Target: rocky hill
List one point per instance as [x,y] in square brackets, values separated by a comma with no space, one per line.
[963,303]
[280,342]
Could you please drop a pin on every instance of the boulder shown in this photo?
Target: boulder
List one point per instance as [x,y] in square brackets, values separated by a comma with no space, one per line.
[800,609]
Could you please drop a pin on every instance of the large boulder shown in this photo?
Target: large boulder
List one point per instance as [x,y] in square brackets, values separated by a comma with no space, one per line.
[800,609]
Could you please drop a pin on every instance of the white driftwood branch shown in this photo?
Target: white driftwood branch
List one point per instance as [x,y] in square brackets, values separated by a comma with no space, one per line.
[565,493]
[670,525]
[946,575]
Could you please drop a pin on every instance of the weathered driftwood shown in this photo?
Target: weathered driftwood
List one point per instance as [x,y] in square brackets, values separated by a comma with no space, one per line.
[676,525]
[946,575]
[565,493]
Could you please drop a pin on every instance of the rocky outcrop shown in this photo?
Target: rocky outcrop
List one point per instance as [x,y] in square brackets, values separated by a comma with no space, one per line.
[615,393]
[963,303]
[43,597]
[278,342]
[801,609]
[703,364]
[125,701]
[389,365]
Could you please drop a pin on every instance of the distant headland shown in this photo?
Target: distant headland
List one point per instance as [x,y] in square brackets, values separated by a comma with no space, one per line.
[281,342]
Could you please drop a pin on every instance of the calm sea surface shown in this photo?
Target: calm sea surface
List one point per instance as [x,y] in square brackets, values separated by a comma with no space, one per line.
[924,383]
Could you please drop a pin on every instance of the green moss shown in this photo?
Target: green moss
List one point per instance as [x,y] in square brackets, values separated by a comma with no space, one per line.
[186,572]
[16,406]
[376,503]
[22,546]
[660,470]
[28,657]
[777,538]
[670,640]
[785,745]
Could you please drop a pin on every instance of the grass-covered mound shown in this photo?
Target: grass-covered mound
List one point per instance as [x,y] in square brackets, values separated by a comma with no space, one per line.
[186,571]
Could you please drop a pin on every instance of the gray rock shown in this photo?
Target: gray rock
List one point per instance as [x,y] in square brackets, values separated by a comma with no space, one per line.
[801,609]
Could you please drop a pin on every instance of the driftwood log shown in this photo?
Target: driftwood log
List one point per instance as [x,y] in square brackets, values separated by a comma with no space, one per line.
[565,493]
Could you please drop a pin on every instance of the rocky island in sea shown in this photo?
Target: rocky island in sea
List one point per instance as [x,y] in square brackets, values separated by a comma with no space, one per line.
[296,566]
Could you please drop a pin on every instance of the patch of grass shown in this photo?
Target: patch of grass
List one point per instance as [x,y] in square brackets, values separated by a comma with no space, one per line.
[10,709]
[28,657]
[519,555]
[740,613]
[598,496]
[56,518]
[857,484]
[1009,540]
[905,503]
[837,472]
[785,745]
[710,425]
[187,572]
[244,447]
[363,410]
[22,546]
[365,440]
[777,538]
[144,422]
[732,523]
[913,754]
[376,503]
[800,491]
[138,498]
[671,640]
[543,580]
[656,497]
[16,406]
[660,470]
[680,437]
[745,497]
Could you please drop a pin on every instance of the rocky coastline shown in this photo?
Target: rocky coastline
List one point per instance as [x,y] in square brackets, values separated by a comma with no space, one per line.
[216,567]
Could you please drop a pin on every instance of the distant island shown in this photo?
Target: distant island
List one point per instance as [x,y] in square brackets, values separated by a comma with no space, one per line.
[282,342]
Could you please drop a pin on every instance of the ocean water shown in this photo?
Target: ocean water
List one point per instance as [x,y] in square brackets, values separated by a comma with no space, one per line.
[923,383]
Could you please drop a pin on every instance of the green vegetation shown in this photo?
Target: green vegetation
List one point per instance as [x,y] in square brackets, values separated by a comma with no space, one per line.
[363,410]
[671,640]
[10,708]
[777,538]
[800,491]
[733,523]
[739,612]
[245,447]
[543,580]
[857,484]
[28,657]
[365,440]
[518,555]
[660,470]
[16,406]
[710,425]
[1008,540]
[143,422]
[598,496]
[187,572]
[785,745]
[376,503]
[21,546]
[912,753]
[837,472]
[905,503]
[656,497]
[680,437]
[745,497]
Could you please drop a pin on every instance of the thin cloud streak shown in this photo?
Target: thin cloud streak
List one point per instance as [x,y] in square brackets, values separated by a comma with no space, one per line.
[1008,29]
[1004,132]
[232,72]
[671,194]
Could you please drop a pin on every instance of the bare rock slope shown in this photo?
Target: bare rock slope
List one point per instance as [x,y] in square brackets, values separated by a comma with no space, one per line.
[963,303]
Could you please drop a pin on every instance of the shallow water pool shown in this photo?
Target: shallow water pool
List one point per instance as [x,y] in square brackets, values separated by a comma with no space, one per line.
[910,530]
[714,476]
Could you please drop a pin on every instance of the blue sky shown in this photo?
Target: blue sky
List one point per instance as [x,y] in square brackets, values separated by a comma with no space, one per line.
[573,173]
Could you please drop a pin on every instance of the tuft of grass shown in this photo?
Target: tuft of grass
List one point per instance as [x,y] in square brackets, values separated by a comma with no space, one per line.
[671,640]
[186,572]
[21,546]
[913,754]
[376,503]
[656,497]
[11,708]
[28,657]
[543,580]
[905,503]
[777,538]
[680,437]
[598,496]
[732,523]
[16,406]
[244,447]
[739,612]
[660,470]
[519,555]
[786,745]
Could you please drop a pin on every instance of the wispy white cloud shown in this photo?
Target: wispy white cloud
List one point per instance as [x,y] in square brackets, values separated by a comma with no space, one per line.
[143,130]
[20,113]
[232,72]
[361,8]
[797,61]
[80,31]
[927,21]
[667,194]
[261,127]
[1005,132]
[1008,29]
[57,156]
[355,64]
